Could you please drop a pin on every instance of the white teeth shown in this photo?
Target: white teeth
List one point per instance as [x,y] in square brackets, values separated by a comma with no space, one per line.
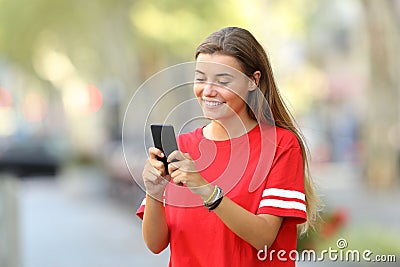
[212,103]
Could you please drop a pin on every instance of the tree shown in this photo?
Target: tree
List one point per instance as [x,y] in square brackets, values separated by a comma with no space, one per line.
[381,130]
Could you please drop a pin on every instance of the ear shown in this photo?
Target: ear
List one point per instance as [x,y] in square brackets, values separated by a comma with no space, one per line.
[255,80]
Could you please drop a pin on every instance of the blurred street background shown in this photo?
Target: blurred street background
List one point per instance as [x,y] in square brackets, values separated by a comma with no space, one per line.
[68,70]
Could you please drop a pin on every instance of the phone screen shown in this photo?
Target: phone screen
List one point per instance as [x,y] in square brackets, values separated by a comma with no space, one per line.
[165,140]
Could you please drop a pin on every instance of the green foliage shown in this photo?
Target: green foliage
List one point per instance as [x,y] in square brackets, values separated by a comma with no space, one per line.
[176,27]
[376,238]
[75,24]
[358,237]
[94,32]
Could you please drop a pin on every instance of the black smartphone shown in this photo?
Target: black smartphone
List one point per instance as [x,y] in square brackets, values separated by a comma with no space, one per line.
[165,140]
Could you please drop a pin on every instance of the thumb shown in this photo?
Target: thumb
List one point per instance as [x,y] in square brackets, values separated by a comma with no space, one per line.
[187,156]
[176,155]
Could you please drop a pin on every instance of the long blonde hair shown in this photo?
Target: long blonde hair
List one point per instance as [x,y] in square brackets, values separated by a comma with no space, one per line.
[242,45]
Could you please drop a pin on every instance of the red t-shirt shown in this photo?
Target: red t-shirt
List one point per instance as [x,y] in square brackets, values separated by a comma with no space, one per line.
[262,171]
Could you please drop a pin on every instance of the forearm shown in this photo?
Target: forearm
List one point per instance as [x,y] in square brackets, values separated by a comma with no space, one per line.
[155,228]
[255,230]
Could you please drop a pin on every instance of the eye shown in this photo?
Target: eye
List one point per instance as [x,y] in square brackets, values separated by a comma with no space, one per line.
[199,78]
[223,83]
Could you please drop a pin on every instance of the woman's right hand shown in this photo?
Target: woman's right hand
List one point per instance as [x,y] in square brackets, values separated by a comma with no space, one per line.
[154,176]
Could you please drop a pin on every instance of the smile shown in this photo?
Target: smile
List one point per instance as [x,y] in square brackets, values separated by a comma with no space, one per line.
[212,103]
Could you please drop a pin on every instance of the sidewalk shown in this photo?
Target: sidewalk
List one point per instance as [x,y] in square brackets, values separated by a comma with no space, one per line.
[64,229]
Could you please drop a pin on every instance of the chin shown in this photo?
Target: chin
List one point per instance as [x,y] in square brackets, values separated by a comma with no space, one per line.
[209,116]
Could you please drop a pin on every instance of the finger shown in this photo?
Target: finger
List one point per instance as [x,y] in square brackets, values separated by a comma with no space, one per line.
[160,170]
[179,180]
[172,168]
[148,168]
[148,165]
[155,172]
[173,173]
[154,152]
[155,167]
[154,176]
[176,155]
[157,164]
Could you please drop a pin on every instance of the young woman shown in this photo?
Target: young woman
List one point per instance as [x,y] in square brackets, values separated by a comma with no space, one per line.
[247,168]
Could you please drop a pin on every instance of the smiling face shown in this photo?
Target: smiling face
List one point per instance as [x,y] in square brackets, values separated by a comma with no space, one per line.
[221,87]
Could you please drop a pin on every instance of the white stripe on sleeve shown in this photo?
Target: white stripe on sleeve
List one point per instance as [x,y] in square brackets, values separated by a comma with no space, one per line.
[284,193]
[282,204]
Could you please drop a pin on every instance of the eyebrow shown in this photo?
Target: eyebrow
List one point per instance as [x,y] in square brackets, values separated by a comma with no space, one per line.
[218,75]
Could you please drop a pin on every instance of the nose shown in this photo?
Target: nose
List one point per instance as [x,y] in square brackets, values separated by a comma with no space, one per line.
[209,89]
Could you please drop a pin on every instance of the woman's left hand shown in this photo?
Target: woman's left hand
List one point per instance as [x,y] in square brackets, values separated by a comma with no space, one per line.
[182,170]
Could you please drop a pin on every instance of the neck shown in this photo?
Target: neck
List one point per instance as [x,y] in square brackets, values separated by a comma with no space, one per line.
[226,129]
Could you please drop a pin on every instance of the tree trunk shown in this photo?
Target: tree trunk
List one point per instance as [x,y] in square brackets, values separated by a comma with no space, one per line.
[381,130]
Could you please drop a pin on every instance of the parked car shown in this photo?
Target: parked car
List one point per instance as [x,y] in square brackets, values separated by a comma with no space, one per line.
[30,157]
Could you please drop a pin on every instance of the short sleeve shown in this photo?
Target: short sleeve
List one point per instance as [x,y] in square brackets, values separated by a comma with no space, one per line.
[283,194]
[140,210]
